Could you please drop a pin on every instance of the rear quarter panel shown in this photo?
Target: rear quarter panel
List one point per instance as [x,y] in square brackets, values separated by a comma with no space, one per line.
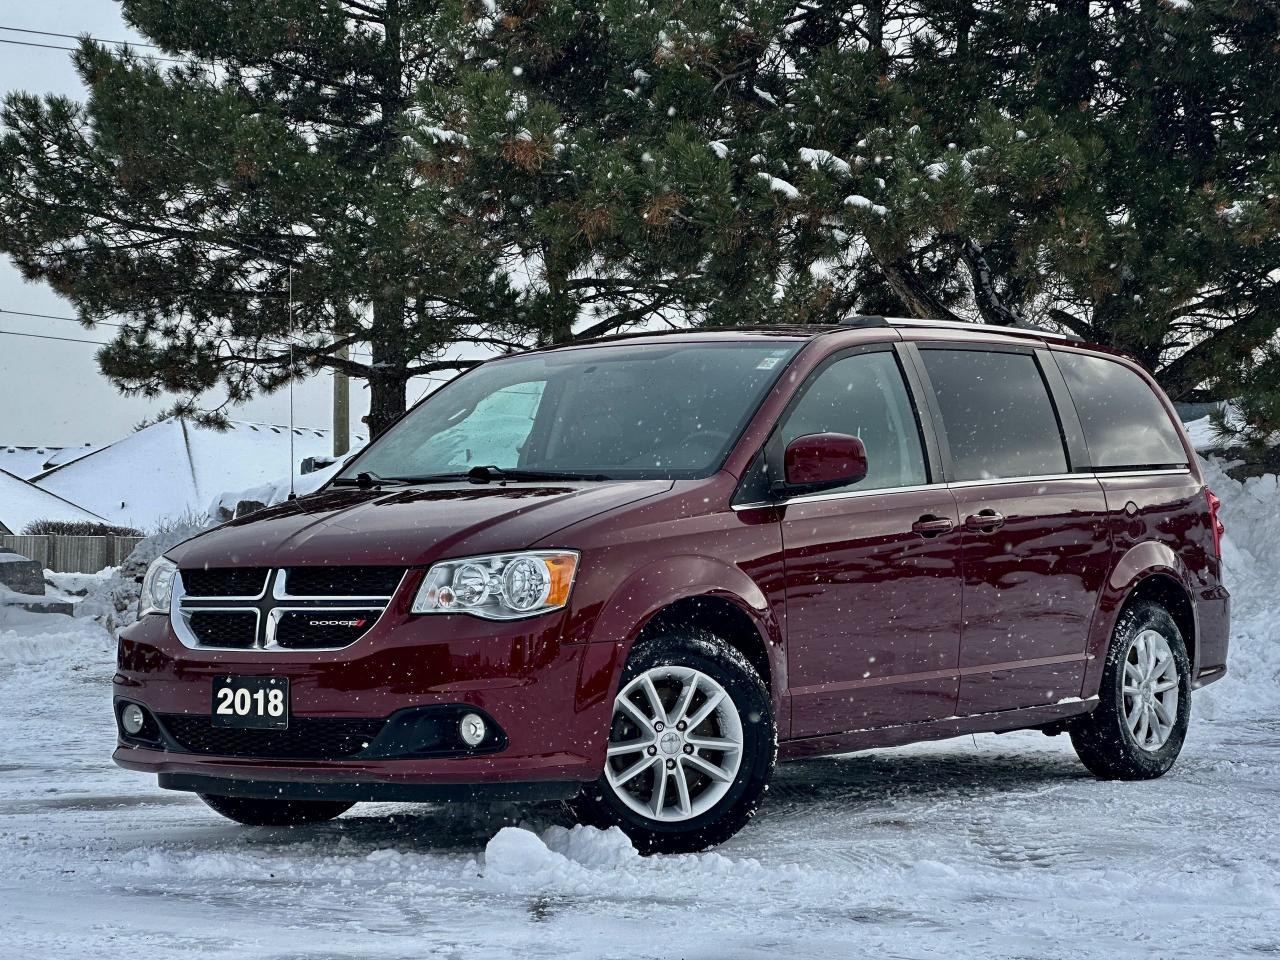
[1160,526]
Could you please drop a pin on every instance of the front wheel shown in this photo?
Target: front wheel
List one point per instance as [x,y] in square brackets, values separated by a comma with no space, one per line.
[1144,704]
[691,746]
[258,812]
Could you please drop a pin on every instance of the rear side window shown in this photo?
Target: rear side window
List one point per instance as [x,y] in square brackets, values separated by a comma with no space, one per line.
[864,395]
[1125,424]
[997,414]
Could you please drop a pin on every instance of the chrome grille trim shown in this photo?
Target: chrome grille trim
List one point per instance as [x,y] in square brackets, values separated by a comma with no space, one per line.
[280,590]
[268,607]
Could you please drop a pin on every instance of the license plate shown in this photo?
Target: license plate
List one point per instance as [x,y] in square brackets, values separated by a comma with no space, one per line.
[259,702]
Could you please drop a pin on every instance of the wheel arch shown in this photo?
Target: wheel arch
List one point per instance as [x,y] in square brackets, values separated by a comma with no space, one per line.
[1169,593]
[703,593]
[1148,571]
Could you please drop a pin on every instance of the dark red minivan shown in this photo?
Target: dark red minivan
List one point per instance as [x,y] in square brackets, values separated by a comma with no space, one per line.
[633,573]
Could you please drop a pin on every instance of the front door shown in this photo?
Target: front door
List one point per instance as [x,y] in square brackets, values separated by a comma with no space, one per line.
[872,570]
[1035,536]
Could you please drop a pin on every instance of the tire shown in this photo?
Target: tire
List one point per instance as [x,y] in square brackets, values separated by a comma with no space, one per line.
[1110,740]
[706,810]
[258,812]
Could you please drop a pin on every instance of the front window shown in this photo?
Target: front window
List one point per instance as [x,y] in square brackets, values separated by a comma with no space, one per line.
[626,411]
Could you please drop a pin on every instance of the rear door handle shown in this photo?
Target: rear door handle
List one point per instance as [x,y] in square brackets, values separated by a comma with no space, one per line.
[984,521]
[931,526]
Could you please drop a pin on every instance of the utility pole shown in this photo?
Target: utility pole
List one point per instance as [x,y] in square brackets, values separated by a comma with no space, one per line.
[341,408]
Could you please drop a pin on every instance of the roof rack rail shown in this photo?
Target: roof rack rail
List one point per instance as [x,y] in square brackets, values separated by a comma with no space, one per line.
[1028,331]
[864,320]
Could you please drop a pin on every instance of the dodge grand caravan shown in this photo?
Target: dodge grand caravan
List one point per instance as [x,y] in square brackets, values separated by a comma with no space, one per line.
[634,573]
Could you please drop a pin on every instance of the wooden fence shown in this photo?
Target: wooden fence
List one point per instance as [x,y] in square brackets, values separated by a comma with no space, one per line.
[72,554]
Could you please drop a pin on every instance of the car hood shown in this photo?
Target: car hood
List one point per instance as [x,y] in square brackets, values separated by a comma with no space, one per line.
[406,525]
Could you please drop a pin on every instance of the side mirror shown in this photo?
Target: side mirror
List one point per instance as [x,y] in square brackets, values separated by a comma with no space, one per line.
[820,461]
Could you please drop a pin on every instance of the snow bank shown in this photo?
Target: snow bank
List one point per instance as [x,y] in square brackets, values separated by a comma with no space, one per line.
[274,491]
[1251,561]
[581,861]
[110,597]
[37,639]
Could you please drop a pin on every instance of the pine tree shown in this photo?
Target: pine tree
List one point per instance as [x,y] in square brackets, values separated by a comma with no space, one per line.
[196,200]
[1110,171]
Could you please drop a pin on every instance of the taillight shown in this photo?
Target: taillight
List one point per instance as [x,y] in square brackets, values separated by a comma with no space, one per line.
[1214,523]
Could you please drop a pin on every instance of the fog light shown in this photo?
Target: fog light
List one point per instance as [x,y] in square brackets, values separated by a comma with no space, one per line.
[472,730]
[133,719]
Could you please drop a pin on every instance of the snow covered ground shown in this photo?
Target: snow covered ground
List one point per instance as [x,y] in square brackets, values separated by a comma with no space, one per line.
[978,847]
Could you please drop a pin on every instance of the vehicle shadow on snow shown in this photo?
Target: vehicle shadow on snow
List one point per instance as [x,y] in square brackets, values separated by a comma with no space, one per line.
[868,783]
[887,777]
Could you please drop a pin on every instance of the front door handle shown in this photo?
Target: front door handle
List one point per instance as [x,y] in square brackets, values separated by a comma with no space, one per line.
[931,526]
[984,521]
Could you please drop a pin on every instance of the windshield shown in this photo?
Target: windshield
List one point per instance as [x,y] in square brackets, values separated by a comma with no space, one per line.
[610,412]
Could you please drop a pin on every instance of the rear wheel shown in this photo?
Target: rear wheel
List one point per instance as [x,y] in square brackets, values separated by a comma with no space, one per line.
[1144,704]
[259,812]
[691,746]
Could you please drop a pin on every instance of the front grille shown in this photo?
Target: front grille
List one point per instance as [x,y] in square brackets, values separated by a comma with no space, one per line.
[224,628]
[320,628]
[224,582]
[308,738]
[342,581]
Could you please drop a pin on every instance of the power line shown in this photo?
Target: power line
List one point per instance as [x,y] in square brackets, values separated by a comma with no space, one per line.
[51,46]
[97,323]
[45,336]
[50,316]
[45,46]
[74,36]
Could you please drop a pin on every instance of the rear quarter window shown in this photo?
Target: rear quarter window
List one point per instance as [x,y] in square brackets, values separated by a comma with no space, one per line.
[1125,424]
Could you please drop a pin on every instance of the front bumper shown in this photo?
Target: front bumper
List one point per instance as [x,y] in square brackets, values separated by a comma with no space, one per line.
[550,699]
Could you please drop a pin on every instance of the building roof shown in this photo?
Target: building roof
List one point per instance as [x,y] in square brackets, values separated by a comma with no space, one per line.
[177,467]
[22,502]
[27,461]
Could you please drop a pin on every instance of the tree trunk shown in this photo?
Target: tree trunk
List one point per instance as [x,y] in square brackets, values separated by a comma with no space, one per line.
[386,400]
[915,295]
[388,378]
[990,304]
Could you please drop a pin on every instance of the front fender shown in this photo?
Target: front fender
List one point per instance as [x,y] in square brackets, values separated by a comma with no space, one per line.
[653,588]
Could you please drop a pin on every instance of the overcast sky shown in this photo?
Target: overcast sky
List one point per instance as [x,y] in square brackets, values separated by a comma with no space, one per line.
[51,392]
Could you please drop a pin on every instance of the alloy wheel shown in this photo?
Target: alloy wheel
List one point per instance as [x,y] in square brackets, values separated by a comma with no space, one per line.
[1150,690]
[675,744]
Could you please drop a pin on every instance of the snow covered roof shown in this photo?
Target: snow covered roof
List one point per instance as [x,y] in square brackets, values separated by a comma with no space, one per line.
[22,502]
[26,462]
[176,467]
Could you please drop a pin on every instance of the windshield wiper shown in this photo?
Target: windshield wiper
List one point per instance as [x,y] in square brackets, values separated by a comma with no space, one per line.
[488,473]
[367,481]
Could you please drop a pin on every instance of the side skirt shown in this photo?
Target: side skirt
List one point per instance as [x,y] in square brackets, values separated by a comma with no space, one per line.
[1000,722]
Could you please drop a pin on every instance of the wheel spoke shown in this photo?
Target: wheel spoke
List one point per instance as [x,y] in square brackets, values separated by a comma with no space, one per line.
[706,710]
[1162,715]
[1132,717]
[659,793]
[681,709]
[627,746]
[1164,686]
[633,771]
[710,769]
[635,713]
[1144,725]
[682,790]
[1132,691]
[713,743]
[651,694]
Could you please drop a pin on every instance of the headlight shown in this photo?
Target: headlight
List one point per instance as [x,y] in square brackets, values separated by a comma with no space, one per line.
[503,586]
[157,586]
